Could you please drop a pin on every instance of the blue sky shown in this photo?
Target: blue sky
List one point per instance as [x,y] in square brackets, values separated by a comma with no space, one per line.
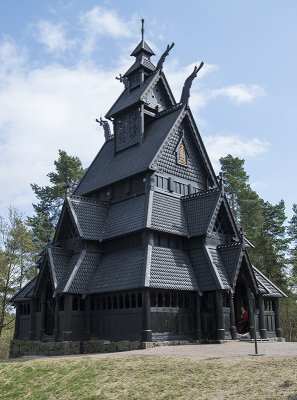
[59,59]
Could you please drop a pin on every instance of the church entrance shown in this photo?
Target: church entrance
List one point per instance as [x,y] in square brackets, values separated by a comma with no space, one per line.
[49,311]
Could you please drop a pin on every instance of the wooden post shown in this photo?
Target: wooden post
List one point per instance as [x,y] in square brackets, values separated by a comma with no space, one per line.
[251,313]
[198,316]
[88,317]
[32,330]
[67,332]
[262,327]
[56,330]
[146,333]
[220,322]
[278,329]
[42,314]
[17,322]
[232,317]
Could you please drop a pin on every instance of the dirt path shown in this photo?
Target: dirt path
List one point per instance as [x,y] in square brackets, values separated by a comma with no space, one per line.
[229,349]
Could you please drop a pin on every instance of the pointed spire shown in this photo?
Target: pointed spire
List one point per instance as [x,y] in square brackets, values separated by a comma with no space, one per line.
[142,29]
[188,83]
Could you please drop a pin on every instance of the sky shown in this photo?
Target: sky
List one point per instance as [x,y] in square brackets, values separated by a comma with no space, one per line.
[59,60]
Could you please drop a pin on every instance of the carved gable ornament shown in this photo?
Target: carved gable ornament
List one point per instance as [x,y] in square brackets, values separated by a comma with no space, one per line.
[182,154]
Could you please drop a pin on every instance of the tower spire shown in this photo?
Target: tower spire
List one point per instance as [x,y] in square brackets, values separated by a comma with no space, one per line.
[142,29]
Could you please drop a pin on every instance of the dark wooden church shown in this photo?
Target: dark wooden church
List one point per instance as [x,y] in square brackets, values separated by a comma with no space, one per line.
[146,249]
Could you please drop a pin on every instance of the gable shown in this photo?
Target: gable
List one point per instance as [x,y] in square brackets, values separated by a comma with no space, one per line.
[157,97]
[66,228]
[223,223]
[167,161]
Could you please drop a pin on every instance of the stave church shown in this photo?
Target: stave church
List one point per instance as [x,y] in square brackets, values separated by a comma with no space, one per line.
[146,248]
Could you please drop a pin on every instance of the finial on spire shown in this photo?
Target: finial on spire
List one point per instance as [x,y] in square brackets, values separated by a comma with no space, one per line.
[106,128]
[242,236]
[221,179]
[142,29]
[163,56]
[188,83]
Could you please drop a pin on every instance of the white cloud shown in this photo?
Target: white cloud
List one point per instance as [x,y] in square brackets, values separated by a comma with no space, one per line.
[53,36]
[101,22]
[43,110]
[240,93]
[223,144]
[12,58]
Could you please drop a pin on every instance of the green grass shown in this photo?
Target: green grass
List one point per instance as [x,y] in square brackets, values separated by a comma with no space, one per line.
[120,376]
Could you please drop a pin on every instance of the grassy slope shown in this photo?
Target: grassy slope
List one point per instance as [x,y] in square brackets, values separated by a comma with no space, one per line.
[149,377]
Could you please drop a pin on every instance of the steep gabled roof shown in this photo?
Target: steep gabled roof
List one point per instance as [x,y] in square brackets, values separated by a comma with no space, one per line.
[108,168]
[266,287]
[142,62]
[218,267]
[167,214]
[199,209]
[172,269]
[90,216]
[130,97]
[120,270]
[26,292]
[142,46]
[231,255]
[125,216]
[205,275]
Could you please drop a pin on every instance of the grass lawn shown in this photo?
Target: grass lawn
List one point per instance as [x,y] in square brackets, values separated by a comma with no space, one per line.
[121,376]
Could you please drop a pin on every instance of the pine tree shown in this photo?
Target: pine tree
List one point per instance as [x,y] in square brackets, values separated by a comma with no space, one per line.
[292,233]
[17,256]
[68,171]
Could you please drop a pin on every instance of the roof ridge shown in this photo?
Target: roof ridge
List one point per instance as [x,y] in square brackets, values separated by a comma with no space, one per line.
[228,245]
[169,110]
[201,193]
[88,200]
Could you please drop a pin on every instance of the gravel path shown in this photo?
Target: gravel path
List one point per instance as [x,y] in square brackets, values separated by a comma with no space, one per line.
[229,349]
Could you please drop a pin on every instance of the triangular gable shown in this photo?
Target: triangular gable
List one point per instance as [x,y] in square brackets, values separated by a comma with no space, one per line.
[222,220]
[158,96]
[67,226]
[246,262]
[197,169]
[271,290]
[47,266]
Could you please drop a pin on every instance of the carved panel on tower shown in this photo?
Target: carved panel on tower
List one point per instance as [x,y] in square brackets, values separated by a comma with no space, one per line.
[127,129]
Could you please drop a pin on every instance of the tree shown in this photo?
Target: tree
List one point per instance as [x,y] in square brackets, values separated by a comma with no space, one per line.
[292,232]
[17,256]
[68,171]
[264,223]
